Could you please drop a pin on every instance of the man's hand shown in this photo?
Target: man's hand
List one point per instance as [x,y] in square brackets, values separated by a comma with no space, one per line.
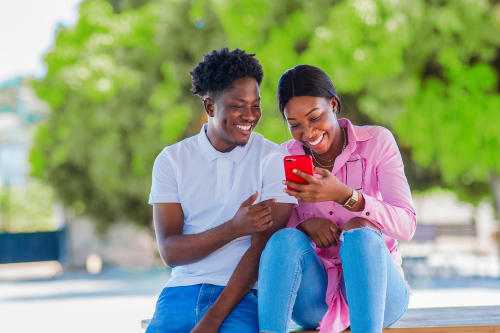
[207,324]
[324,233]
[252,218]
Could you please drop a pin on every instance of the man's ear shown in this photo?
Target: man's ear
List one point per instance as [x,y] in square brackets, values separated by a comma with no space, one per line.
[209,105]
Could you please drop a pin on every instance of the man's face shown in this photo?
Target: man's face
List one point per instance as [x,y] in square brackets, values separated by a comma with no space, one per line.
[234,114]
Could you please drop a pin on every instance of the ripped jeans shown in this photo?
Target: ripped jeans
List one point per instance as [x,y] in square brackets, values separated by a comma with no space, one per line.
[293,282]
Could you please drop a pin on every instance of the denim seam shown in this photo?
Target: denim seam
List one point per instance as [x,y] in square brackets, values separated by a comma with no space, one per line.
[294,286]
[405,309]
[197,308]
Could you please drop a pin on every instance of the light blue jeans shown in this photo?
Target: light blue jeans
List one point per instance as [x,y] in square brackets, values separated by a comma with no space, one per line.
[293,281]
[179,309]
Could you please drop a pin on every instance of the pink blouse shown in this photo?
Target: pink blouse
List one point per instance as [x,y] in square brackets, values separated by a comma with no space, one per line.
[371,163]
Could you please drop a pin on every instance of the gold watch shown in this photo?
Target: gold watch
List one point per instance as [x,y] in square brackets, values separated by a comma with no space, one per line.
[352,201]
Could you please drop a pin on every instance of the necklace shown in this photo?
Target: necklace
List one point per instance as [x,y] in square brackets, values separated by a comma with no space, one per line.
[329,164]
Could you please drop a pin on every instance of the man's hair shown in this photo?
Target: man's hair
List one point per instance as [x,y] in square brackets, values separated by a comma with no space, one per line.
[220,68]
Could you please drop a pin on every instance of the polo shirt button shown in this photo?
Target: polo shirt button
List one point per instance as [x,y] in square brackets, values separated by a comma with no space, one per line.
[331,213]
[367,213]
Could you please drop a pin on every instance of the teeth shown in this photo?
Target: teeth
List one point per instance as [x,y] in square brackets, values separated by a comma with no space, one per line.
[318,140]
[244,128]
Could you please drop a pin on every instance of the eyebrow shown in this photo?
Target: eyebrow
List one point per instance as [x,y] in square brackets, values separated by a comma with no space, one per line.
[310,111]
[244,100]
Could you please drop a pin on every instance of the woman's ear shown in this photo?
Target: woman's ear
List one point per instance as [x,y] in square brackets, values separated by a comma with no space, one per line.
[335,104]
[208,104]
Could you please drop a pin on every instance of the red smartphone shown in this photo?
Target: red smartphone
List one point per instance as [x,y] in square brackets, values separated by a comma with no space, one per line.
[299,162]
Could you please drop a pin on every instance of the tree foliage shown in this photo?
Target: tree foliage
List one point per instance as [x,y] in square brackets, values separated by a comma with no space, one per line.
[118,85]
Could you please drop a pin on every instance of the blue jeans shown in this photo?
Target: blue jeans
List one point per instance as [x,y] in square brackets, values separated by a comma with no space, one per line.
[179,309]
[293,281]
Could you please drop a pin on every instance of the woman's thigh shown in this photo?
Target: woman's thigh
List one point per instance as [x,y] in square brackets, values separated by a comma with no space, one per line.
[175,310]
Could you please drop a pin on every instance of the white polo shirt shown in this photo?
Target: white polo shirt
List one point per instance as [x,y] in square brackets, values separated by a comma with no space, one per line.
[210,186]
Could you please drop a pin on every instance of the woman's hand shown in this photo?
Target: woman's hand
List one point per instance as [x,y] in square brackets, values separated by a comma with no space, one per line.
[324,233]
[323,186]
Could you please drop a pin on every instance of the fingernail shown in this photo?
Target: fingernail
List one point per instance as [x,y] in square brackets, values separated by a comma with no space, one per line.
[294,170]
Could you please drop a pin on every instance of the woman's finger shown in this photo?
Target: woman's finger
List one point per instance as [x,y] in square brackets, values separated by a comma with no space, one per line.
[322,172]
[296,186]
[293,193]
[307,177]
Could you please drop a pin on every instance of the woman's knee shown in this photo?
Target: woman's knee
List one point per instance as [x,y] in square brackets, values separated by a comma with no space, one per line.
[287,241]
[360,235]
[357,222]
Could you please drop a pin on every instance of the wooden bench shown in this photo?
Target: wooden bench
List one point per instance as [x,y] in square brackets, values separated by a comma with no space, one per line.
[473,319]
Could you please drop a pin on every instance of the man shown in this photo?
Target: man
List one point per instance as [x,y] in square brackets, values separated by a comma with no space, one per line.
[217,197]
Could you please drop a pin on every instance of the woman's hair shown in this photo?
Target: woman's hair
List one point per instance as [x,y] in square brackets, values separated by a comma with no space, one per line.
[220,68]
[305,80]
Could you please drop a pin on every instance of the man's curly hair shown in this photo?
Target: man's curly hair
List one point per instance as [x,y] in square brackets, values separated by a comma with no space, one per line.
[220,68]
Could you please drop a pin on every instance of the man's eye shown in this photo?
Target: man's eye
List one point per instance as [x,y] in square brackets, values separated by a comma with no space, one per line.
[256,106]
[236,106]
[315,118]
[293,125]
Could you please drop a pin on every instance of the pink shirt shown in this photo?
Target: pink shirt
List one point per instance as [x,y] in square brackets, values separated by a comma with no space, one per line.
[371,163]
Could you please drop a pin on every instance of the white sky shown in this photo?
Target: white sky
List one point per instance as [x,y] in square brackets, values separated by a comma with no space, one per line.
[27,31]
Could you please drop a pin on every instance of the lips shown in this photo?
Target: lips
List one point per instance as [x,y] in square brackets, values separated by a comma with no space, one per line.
[316,141]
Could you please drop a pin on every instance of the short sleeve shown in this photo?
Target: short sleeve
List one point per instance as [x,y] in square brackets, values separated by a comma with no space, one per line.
[272,180]
[164,180]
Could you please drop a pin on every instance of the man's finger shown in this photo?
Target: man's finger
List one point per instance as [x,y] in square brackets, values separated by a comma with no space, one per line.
[250,200]
[269,223]
[263,216]
[268,202]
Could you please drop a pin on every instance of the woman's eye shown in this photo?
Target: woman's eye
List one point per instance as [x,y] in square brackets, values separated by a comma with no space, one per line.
[237,106]
[315,118]
[256,106]
[293,125]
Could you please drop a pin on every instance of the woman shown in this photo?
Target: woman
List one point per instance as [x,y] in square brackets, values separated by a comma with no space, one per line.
[338,265]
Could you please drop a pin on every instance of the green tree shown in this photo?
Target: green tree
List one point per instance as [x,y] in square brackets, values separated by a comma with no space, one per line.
[118,86]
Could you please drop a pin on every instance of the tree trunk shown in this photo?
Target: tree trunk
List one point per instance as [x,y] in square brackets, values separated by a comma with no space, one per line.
[495,187]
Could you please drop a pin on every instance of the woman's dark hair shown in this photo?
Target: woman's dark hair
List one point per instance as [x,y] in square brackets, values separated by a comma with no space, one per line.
[305,80]
[220,68]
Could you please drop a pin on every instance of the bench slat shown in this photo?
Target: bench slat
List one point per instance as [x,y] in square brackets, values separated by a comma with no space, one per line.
[469,319]
[451,316]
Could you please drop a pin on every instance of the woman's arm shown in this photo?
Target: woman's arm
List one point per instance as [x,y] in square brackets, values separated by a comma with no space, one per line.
[394,215]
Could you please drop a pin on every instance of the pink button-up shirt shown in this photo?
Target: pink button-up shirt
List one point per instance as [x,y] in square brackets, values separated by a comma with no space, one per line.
[371,163]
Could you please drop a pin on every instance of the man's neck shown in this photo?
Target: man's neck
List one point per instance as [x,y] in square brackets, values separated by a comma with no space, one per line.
[217,142]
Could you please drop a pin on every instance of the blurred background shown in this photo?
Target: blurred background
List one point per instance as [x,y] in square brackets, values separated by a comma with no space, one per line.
[91,91]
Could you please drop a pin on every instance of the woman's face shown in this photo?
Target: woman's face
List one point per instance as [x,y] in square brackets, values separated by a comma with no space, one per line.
[312,121]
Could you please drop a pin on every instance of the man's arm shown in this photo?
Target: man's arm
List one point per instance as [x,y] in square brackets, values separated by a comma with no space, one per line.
[245,274]
[178,249]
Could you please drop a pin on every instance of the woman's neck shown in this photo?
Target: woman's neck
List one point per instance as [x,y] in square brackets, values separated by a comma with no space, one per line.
[335,148]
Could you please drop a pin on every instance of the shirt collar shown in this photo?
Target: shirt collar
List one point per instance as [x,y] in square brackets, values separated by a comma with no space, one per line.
[211,154]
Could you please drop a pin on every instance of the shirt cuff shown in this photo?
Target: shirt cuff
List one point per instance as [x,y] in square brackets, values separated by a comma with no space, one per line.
[164,198]
[368,212]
